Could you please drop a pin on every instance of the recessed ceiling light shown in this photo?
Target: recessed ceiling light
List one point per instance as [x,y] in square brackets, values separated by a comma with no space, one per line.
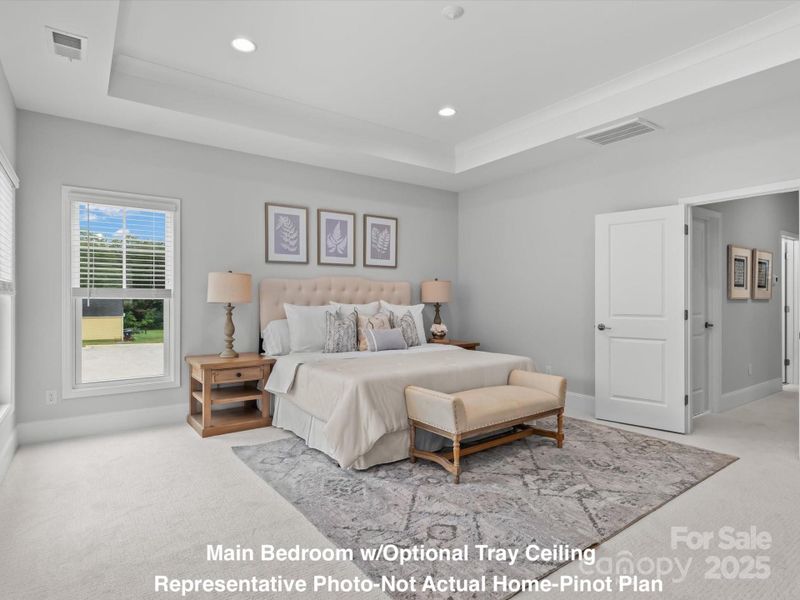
[243,45]
[447,111]
[452,12]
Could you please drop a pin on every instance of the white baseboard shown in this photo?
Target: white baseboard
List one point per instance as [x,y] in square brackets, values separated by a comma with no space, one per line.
[7,453]
[582,405]
[746,395]
[579,405]
[35,432]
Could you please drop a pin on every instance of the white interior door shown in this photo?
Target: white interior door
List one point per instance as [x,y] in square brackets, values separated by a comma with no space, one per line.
[640,327]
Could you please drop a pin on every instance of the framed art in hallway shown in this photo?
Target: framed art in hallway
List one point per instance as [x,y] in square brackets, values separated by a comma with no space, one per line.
[762,275]
[380,241]
[336,238]
[286,233]
[739,272]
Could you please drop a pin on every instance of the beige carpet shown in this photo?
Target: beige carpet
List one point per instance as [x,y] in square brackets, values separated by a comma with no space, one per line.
[100,517]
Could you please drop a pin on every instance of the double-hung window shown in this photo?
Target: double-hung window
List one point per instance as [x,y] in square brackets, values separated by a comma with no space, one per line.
[121,301]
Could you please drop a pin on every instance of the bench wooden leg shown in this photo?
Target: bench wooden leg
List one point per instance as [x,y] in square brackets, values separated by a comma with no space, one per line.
[560,434]
[412,445]
[457,458]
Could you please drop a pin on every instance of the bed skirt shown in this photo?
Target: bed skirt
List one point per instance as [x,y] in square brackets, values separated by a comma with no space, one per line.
[390,448]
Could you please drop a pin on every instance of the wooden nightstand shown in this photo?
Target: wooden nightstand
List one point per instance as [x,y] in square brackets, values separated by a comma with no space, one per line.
[216,381]
[460,343]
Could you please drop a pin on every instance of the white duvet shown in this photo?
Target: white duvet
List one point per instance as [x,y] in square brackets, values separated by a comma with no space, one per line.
[360,395]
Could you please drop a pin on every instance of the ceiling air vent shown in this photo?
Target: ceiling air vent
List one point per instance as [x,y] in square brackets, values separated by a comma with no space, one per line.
[67,45]
[619,132]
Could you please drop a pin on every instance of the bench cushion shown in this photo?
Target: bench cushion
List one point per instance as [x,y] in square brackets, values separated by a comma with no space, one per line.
[488,406]
[467,411]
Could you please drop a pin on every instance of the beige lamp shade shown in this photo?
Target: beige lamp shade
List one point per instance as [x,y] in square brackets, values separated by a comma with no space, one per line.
[233,288]
[435,291]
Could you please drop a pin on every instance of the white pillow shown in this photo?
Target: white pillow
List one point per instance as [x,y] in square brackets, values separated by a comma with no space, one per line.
[364,310]
[307,326]
[276,338]
[398,310]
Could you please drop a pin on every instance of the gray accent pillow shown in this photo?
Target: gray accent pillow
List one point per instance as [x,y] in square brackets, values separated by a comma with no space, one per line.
[341,332]
[385,339]
[408,326]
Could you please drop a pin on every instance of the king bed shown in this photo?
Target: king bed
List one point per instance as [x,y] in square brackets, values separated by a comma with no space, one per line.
[350,405]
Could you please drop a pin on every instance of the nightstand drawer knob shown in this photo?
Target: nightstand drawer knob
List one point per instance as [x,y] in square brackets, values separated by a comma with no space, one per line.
[238,374]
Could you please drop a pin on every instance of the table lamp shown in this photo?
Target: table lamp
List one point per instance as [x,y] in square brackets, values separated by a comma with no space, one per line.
[437,293]
[229,289]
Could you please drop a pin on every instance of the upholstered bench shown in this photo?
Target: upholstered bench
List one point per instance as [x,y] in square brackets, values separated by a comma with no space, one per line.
[470,413]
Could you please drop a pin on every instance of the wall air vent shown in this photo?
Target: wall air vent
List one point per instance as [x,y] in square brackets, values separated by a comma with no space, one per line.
[68,45]
[619,132]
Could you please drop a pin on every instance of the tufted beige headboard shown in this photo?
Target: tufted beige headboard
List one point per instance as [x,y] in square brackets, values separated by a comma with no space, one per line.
[273,293]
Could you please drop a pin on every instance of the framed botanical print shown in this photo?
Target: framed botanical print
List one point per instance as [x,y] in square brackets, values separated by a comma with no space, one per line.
[287,233]
[380,241]
[762,275]
[336,238]
[739,272]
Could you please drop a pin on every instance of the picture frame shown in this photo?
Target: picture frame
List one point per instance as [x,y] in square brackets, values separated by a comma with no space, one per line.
[740,274]
[380,241]
[286,229]
[336,238]
[762,275]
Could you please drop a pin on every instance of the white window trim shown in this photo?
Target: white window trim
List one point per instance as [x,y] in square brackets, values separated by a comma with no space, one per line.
[7,409]
[5,164]
[70,338]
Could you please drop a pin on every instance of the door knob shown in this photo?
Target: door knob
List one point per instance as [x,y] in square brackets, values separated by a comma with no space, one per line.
[709,325]
[602,327]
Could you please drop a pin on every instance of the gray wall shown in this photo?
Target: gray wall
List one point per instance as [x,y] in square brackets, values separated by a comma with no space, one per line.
[526,244]
[8,120]
[222,228]
[751,330]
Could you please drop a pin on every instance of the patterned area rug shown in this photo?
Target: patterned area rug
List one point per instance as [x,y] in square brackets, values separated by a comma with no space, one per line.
[527,492]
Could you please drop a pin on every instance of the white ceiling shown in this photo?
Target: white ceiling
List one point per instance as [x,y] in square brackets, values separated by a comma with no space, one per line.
[356,85]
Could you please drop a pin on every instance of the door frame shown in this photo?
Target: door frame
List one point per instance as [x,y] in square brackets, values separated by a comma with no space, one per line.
[715,261]
[791,301]
[764,189]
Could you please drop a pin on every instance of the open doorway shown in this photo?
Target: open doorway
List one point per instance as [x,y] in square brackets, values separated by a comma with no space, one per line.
[670,344]
[741,337]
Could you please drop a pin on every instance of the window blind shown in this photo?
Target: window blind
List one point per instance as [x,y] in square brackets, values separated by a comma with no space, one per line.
[6,234]
[121,251]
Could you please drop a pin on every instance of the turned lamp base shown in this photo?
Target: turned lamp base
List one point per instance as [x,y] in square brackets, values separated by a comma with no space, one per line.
[229,352]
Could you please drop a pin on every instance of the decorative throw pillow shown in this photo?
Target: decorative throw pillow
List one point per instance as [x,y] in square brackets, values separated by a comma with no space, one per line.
[385,339]
[398,310]
[408,326]
[340,332]
[380,320]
